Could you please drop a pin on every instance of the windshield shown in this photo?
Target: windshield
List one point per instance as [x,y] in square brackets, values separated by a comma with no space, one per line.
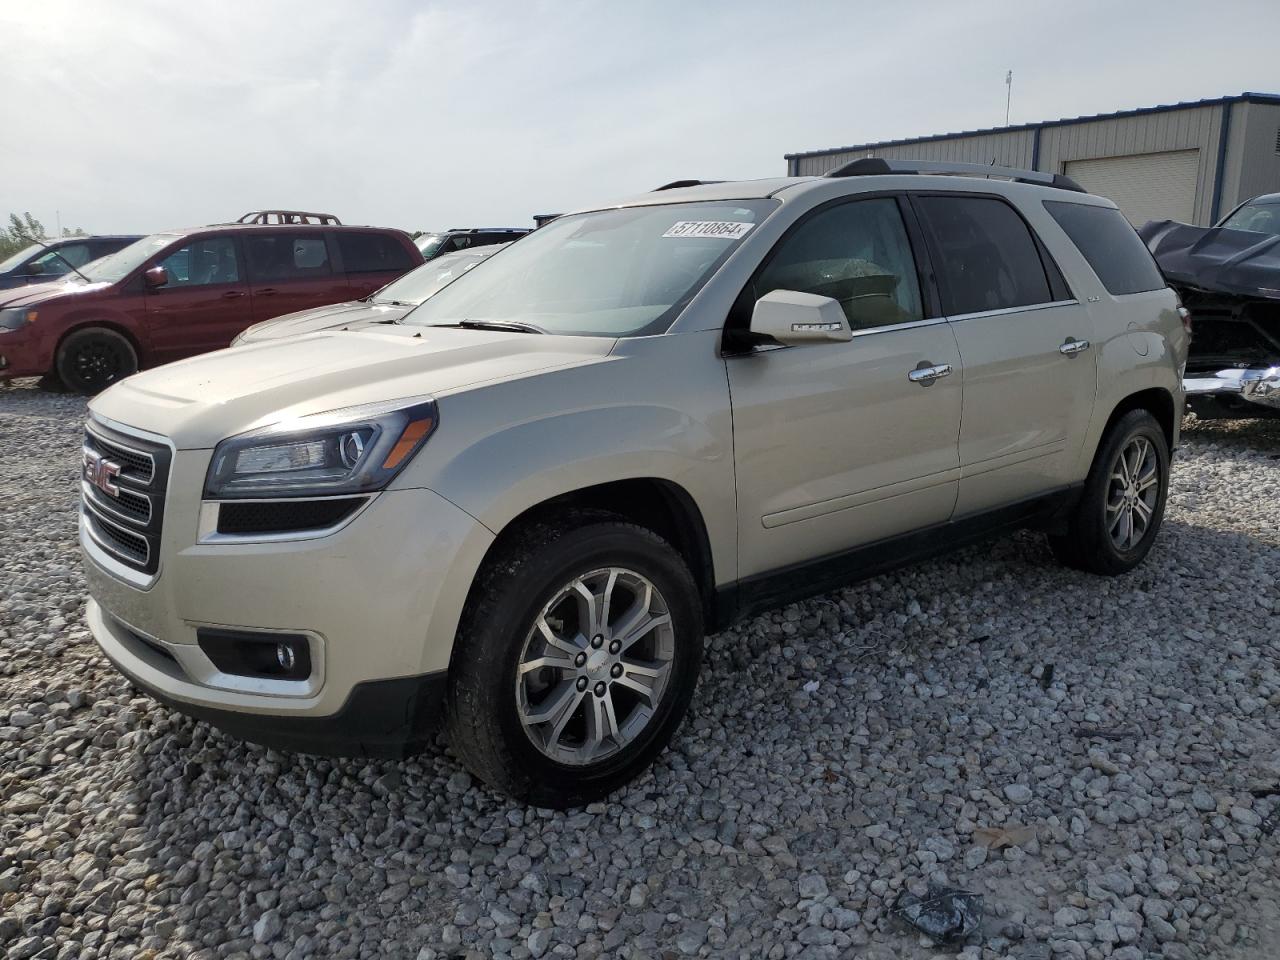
[1258,217]
[118,265]
[416,285]
[612,273]
[430,243]
[19,257]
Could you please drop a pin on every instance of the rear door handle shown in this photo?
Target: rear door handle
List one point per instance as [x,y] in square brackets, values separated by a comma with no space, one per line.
[266,292]
[1072,346]
[925,372]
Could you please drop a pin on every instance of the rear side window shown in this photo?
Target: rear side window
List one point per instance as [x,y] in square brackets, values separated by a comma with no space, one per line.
[857,253]
[984,255]
[1108,241]
[372,253]
[277,256]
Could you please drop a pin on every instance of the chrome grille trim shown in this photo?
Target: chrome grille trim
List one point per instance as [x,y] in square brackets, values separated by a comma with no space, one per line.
[111,446]
[106,543]
[98,502]
[123,514]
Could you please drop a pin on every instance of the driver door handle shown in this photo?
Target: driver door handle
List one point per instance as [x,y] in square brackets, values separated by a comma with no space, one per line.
[925,372]
[233,294]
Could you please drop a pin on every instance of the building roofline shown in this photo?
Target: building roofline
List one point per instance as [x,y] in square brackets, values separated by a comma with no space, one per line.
[1246,97]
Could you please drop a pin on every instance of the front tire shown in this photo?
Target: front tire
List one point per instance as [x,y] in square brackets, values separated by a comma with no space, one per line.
[1113,527]
[90,360]
[576,659]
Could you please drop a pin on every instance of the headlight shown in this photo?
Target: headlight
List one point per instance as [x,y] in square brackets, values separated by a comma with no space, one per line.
[356,450]
[15,318]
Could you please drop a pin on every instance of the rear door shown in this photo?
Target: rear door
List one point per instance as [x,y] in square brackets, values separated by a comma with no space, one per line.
[1030,375]
[291,270]
[838,445]
[205,301]
[371,260]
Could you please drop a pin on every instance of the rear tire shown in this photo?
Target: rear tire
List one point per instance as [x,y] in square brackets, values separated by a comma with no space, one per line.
[1113,527]
[92,359]
[553,648]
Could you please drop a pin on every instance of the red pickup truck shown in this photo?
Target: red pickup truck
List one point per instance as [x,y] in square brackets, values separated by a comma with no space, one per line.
[175,294]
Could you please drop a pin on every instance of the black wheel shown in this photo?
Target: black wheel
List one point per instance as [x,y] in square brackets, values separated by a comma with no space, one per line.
[1119,514]
[575,661]
[92,359]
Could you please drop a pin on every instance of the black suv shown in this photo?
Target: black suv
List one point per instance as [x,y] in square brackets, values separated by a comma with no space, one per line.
[53,259]
[434,245]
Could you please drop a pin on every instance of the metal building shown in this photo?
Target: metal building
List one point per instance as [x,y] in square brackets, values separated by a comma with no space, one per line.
[1184,161]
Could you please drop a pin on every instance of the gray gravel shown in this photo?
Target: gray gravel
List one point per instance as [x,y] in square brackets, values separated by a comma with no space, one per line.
[838,751]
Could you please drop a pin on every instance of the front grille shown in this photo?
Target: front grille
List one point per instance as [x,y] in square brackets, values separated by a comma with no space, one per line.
[125,521]
[284,516]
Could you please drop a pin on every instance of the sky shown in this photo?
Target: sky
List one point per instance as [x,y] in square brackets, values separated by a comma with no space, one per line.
[139,115]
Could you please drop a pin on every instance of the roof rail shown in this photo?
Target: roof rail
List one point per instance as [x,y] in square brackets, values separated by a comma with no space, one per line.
[873,166]
[677,184]
[290,216]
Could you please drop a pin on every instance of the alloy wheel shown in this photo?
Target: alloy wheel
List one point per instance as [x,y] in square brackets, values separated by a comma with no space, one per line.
[1132,493]
[595,666]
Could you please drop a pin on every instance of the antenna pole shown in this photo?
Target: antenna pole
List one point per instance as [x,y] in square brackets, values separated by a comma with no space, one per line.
[1008,96]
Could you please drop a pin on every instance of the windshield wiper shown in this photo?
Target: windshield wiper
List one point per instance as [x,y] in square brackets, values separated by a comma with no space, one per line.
[511,326]
[391,303]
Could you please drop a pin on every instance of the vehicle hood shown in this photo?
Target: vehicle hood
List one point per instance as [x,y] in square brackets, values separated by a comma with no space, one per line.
[1218,259]
[335,316]
[30,296]
[197,402]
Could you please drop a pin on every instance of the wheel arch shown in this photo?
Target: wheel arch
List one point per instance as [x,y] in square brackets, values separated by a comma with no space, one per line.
[656,504]
[1158,402]
[107,324]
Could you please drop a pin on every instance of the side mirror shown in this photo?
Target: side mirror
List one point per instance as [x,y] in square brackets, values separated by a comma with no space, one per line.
[35,269]
[794,318]
[155,277]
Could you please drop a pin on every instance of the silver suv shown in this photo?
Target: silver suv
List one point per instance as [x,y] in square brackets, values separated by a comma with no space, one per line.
[525,502]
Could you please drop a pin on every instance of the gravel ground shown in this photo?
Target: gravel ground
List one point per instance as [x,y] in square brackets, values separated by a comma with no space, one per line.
[838,752]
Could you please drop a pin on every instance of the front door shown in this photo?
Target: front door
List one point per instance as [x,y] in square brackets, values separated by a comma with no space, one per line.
[840,445]
[204,303]
[1030,372]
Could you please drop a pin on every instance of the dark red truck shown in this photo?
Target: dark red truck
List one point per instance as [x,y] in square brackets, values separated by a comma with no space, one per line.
[175,294]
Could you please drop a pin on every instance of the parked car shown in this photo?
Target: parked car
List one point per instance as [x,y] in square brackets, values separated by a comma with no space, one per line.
[527,501]
[175,294]
[387,305]
[1228,277]
[434,245]
[53,259]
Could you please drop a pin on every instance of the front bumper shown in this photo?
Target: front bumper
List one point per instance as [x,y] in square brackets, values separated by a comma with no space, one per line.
[1259,385]
[378,600]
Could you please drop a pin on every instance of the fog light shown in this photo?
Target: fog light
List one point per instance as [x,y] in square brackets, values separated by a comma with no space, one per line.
[272,656]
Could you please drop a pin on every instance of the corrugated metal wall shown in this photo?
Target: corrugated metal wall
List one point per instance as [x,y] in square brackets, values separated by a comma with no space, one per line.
[1253,162]
[1190,128]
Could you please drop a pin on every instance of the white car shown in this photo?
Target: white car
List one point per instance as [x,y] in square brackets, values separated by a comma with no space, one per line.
[525,503]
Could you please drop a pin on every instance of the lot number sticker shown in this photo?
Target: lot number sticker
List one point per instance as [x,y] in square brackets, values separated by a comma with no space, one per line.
[718,229]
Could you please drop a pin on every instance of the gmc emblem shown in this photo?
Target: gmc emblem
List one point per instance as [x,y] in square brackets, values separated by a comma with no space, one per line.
[101,473]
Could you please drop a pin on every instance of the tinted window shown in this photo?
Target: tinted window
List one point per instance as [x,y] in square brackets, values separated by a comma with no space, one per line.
[61,259]
[371,252]
[857,253]
[1108,241]
[279,256]
[205,261]
[984,255]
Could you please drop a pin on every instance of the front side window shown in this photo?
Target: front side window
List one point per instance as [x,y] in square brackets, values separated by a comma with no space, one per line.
[56,262]
[984,255]
[203,262]
[857,253]
[277,257]
[611,273]
[20,257]
[371,253]
[1108,241]
[1258,217]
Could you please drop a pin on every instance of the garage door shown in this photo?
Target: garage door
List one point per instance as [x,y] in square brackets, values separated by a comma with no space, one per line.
[1145,186]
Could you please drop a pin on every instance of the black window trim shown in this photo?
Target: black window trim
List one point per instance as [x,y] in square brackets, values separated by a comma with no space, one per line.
[737,340]
[1042,250]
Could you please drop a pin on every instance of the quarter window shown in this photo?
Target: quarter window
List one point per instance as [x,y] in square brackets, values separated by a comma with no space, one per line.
[203,262]
[1108,241]
[984,254]
[279,256]
[371,253]
[856,253]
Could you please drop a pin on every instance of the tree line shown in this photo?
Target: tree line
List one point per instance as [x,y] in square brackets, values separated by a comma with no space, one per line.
[24,228]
